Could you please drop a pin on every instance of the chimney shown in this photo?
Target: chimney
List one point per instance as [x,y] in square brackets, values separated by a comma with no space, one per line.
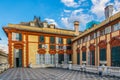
[45,24]
[108,11]
[76,27]
[52,26]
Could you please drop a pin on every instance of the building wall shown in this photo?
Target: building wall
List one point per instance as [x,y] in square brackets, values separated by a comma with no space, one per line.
[29,45]
[3,59]
[104,41]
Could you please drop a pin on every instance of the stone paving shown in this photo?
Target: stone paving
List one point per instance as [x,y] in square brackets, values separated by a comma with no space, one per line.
[48,74]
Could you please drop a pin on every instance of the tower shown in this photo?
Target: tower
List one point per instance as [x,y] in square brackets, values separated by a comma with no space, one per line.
[76,27]
[108,11]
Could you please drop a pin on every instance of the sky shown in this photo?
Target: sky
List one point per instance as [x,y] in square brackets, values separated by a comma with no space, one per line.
[60,12]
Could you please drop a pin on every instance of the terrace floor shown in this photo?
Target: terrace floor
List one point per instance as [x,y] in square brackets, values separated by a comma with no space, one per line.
[48,74]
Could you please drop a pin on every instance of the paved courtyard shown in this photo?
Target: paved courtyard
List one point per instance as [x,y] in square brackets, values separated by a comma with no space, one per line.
[48,74]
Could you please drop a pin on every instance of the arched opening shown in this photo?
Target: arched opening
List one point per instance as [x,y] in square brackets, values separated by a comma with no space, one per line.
[18,55]
[103,54]
[91,55]
[115,51]
[78,56]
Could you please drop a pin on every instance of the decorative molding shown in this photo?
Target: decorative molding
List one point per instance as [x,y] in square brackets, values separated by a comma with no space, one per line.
[52,51]
[61,52]
[18,45]
[115,41]
[78,50]
[102,44]
[69,51]
[83,48]
[92,47]
[41,51]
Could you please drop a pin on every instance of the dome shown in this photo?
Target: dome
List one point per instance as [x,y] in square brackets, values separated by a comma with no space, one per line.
[91,24]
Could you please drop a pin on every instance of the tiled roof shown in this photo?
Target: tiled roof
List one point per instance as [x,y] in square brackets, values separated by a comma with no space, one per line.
[44,30]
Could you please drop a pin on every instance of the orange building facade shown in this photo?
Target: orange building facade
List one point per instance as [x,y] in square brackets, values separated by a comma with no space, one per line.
[99,45]
[39,44]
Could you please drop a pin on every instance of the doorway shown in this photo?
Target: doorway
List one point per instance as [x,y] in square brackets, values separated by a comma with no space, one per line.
[18,58]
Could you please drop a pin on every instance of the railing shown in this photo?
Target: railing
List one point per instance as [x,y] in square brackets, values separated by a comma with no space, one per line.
[107,71]
[3,67]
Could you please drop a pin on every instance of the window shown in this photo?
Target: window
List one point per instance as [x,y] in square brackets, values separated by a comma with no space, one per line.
[68,47]
[107,30]
[40,58]
[102,32]
[88,37]
[40,46]
[81,40]
[52,40]
[60,40]
[92,57]
[41,38]
[84,56]
[60,47]
[60,58]
[116,27]
[95,35]
[91,36]
[102,54]
[78,41]
[69,57]
[98,33]
[17,36]
[52,46]
[68,41]
[52,58]
[78,58]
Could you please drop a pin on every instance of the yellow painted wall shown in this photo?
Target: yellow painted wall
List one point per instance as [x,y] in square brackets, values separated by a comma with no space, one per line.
[47,41]
[24,55]
[116,33]
[74,57]
[64,40]
[32,38]
[33,47]
[102,37]
[12,55]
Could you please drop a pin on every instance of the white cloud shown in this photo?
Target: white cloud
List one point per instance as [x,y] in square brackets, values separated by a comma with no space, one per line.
[84,16]
[52,21]
[67,11]
[76,15]
[77,12]
[98,7]
[70,3]
[4,48]
[116,5]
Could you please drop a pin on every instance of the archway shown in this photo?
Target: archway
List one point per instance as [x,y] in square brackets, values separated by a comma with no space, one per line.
[115,51]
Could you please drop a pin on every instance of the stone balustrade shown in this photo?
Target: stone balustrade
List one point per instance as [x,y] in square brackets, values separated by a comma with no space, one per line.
[107,71]
[3,67]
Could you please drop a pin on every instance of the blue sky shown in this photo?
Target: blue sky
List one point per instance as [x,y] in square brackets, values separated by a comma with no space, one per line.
[60,12]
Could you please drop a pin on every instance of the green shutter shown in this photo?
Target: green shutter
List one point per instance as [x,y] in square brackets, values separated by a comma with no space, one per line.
[84,56]
[102,54]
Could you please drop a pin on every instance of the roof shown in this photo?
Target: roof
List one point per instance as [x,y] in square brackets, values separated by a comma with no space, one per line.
[108,20]
[41,29]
